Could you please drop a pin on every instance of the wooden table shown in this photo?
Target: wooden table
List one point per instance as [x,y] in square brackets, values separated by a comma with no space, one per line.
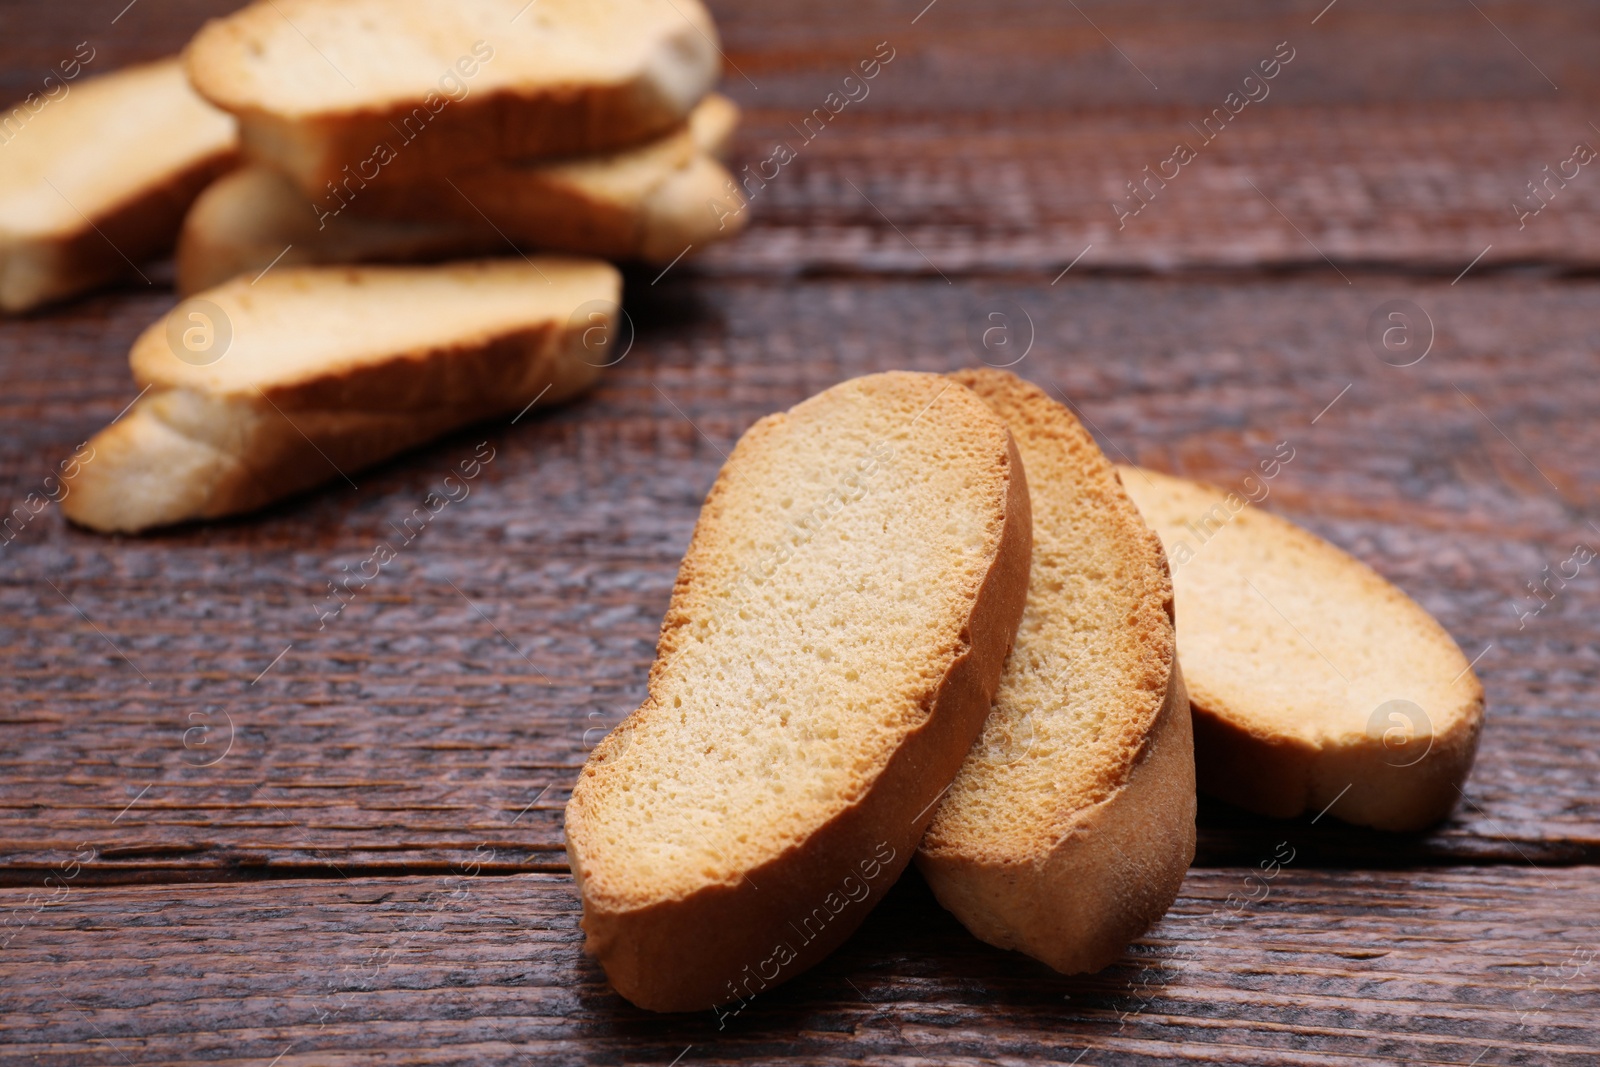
[227,835]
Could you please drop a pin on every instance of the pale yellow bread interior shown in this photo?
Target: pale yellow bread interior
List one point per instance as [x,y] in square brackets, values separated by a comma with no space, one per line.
[1069,829]
[328,370]
[648,203]
[1296,655]
[96,181]
[834,636]
[712,123]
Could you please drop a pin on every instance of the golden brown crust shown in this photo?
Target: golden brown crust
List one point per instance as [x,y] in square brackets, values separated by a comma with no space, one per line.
[137,222]
[495,118]
[185,451]
[646,204]
[710,946]
[1113,873]
[1249,749]
[652,203]
[142,227]
[317,152]
[1072,875]
[525,198]
[1285,777]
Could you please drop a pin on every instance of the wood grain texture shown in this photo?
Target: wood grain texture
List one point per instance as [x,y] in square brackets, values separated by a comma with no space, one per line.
[1321,968]
[171,711]
[1021,55]
[1417,187]
[468,681]
[1000,136]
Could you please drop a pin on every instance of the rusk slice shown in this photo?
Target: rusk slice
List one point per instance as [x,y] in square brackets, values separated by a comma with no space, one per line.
[314,373]
[712,124]
[647,203]
[833,643]
[1069,829]
[97,181]
[1314,681]
[256,218]
[447,85]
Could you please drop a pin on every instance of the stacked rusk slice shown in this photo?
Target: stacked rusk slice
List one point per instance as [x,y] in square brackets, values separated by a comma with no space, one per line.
[374,135]
[922,617]
[387,132]
[373,131]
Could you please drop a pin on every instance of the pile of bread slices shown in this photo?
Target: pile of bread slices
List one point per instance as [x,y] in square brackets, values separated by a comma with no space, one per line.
[295,138]
[923,617]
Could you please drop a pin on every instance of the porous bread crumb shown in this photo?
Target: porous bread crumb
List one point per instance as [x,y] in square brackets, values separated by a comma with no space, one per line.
[813,689]
[1298,656]
[1071,823]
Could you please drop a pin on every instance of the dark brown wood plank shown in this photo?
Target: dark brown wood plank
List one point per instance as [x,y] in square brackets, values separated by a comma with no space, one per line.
[171,712]
[417,725]
[1002,135]
[1423,187]
[1020,55]
[1492,966]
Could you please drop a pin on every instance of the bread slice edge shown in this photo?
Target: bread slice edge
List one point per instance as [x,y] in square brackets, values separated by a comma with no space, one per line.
[1356,779]
[709,934]
[184,453]
[38,269]
[1101,869]
[1112,875]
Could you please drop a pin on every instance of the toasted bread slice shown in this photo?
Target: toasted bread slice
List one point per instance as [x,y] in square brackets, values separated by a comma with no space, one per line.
[97,181]
[1316,684]
[256,392]
[647,203]
[644,202]
[449,85]
[1069,829]
[834,639]
[256,219]
[712,124]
